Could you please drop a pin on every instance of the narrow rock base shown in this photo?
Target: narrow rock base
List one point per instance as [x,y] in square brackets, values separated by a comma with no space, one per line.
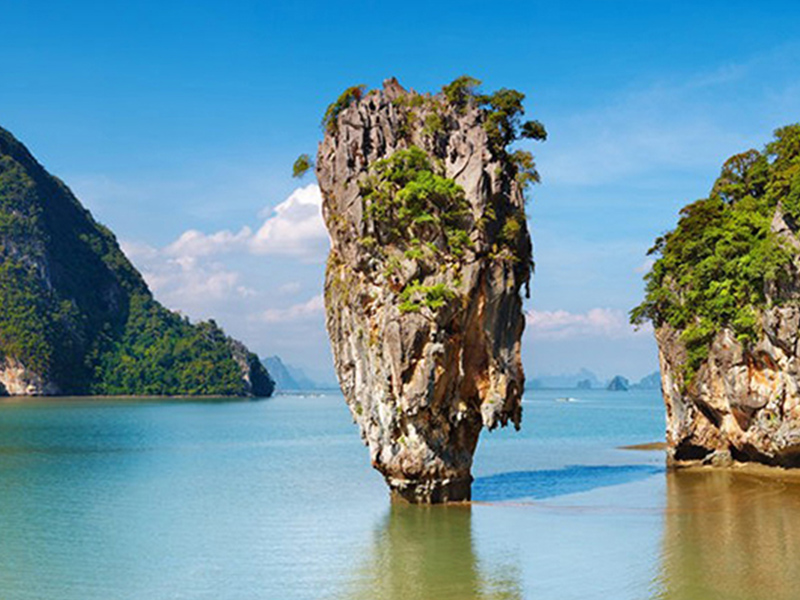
[431,491]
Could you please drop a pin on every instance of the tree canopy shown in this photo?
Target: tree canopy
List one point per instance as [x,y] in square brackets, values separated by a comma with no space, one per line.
[716,269]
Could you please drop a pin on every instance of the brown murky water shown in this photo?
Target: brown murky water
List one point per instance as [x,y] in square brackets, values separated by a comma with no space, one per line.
[730,535]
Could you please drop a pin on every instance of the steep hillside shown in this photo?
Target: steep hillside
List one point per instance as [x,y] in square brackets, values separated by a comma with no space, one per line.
[77,317]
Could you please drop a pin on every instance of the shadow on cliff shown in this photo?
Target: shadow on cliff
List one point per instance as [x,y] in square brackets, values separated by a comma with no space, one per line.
[539,485]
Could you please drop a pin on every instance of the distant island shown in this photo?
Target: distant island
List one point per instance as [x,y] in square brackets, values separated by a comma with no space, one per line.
[618,384]
[584,379]
[77,318]
[289,378]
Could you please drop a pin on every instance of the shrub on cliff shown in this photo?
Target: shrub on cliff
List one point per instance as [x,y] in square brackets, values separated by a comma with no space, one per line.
[715,269]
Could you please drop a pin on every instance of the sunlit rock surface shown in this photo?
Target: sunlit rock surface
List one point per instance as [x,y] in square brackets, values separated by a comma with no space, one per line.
[425,326]
[742,404]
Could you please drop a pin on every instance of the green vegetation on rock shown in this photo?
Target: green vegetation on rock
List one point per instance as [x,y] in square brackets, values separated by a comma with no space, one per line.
[716,268]
[350,95]
[503,123]
[408,200]
[415,295]
[302,165]
[78,314]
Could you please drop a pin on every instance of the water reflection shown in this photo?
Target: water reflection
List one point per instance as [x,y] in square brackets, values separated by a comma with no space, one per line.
[423,552]
[730,535]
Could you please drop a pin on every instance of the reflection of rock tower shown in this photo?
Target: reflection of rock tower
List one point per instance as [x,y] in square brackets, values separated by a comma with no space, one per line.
[428,552]
[430,248]
[730,535]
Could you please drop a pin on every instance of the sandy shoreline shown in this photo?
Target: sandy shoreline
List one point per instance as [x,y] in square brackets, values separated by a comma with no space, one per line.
[648,446]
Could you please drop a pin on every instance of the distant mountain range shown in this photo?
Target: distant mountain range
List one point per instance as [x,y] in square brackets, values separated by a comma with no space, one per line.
[288,378]
[586,379]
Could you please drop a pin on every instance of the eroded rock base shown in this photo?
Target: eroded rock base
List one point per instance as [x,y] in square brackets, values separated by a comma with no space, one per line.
[431,491]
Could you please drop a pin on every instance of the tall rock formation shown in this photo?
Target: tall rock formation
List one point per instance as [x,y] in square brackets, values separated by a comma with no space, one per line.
[77,318]
[430,249]
[724,298]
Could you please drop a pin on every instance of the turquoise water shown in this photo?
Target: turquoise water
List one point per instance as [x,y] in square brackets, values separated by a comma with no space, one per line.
[276,499]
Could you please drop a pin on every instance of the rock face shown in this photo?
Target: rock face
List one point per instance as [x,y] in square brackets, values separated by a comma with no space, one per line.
[743,403]
[77,318]
[430,250]
[724,300]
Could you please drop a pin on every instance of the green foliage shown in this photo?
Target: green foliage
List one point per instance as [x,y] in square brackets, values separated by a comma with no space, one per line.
[302,165]
[75,311]
[784,156]
[715,268]
[503,111]
[433,125]
[415,296]
[526,173]
[26,318]
[502,119]
[350,95]
[407,200]
[161,353]
[533,130]
[511,230]
[460,91]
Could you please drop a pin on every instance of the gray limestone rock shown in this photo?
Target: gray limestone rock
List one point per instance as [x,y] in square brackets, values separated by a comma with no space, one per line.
[742,402]
[425,325]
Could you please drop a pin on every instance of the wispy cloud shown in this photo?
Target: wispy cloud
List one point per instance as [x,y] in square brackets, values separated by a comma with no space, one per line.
[674,123]
[596,322]
[311,309]
[194,243]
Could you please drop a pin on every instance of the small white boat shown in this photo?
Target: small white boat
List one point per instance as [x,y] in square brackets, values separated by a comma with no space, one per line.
[566,399]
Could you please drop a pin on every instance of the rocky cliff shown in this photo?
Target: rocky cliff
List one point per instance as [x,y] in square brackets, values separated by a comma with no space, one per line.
[77,318]
[430,249]
[724,298]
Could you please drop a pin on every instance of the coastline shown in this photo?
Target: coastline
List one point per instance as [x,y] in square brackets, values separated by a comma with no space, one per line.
[123,398]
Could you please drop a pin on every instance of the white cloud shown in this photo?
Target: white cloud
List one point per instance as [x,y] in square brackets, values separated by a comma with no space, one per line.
[195,243]
[296,228]
[189,272]
[293,228]
[138,251]
[596,322]
[187,281]
[303,311]
[290,288]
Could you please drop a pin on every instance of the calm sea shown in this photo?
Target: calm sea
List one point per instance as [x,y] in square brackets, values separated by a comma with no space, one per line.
[276,499]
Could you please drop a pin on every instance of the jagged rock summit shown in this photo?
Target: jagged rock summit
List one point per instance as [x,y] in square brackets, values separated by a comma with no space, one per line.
[430,250]
[724,298]
[77,318]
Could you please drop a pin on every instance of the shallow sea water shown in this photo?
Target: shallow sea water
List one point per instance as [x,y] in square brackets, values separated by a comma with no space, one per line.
[276,499]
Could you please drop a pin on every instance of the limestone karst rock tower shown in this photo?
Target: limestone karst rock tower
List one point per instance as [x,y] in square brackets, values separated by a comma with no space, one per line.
[430,250]
[724,299]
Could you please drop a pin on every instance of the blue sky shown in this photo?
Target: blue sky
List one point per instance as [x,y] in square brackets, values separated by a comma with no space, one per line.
[177,123]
